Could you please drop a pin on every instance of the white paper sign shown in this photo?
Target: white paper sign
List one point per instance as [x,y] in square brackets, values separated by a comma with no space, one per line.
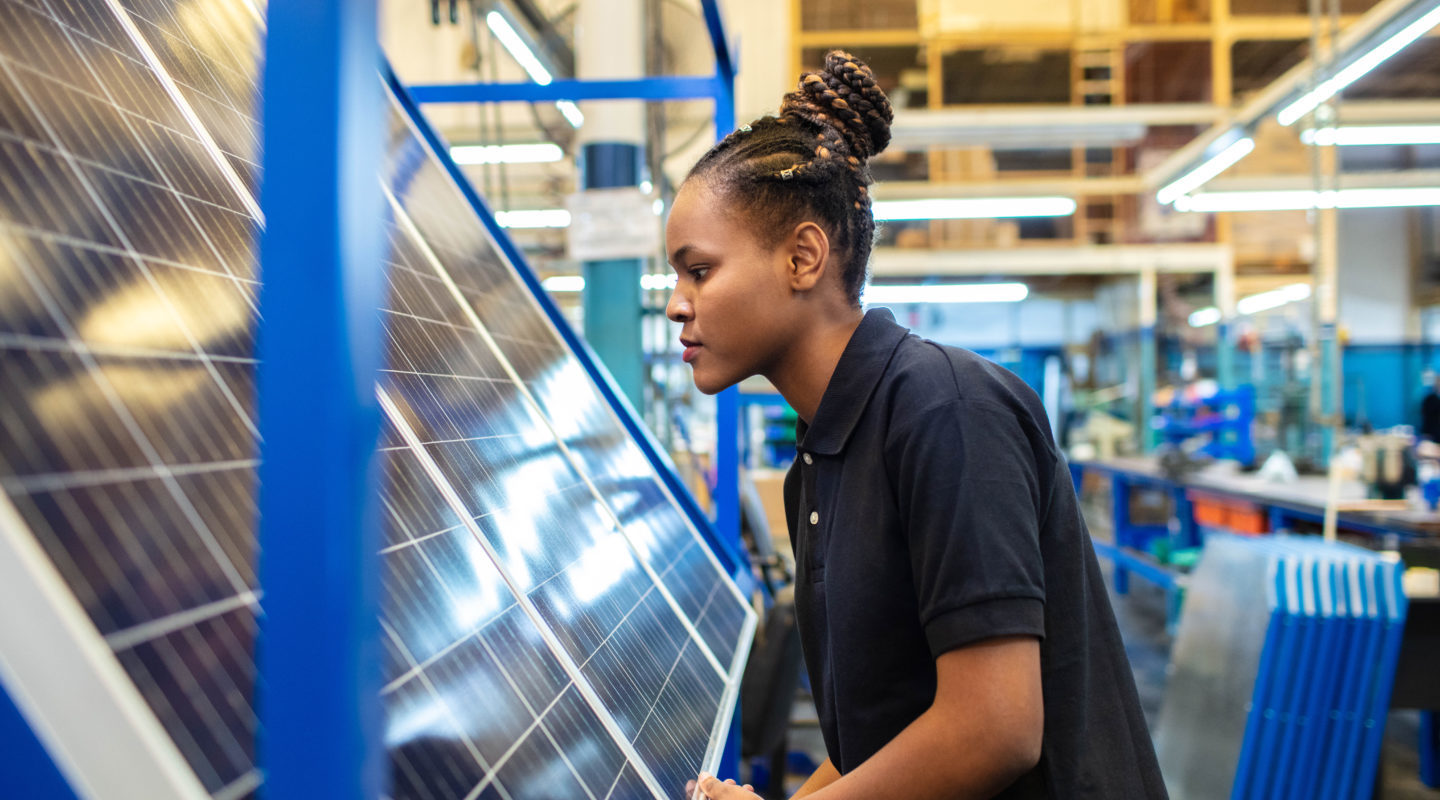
[612,223]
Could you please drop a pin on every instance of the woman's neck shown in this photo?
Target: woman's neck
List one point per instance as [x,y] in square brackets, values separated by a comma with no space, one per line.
[804,372]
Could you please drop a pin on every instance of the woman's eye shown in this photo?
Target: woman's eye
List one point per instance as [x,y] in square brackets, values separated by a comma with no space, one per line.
[698,273]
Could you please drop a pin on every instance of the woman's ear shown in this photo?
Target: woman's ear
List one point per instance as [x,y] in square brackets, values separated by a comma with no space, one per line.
[809,256]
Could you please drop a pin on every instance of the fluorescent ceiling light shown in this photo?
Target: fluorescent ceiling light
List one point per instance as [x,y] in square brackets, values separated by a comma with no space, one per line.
[527,60]
[1205,316]
[571,112]
[1352,135]
[1274,298]
[656,282]
[1359,67]
[563,283]
[534,218]
[1304,200]
[973,208]
[517,48]
[545,153]
[1253,304]
[1195,178]
[900,294]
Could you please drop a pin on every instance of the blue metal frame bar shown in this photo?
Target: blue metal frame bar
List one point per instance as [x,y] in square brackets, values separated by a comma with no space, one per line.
[39,776]
[700,87]
[725,59]
[324,277]
[1144,568]
[728,549]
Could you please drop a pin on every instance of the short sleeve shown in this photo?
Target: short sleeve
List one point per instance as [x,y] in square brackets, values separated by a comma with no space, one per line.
[969,491]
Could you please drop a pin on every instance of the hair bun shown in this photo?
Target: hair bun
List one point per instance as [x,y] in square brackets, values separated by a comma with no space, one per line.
[844,96]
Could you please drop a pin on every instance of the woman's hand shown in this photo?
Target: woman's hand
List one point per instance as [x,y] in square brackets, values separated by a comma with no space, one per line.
[712,789]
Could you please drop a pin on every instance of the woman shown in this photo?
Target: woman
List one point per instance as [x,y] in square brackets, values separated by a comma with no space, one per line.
[956,629]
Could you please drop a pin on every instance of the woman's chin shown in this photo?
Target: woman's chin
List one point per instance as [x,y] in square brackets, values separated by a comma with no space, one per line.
[709,383]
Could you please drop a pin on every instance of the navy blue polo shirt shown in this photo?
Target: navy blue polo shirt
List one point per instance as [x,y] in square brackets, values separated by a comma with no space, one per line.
[930,510]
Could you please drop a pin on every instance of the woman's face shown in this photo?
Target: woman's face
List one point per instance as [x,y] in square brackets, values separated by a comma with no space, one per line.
[732,291]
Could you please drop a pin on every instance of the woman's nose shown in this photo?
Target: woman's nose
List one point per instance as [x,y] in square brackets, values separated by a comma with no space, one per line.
[679,308]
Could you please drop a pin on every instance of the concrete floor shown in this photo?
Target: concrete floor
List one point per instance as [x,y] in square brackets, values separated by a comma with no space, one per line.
[1141,616]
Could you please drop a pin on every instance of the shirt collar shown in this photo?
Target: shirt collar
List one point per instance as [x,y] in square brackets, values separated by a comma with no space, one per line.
[856,375]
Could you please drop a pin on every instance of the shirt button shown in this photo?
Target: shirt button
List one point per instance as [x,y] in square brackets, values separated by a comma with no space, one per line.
[808,459]
[814,517]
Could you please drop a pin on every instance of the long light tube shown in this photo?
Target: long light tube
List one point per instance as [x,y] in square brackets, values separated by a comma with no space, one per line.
[973,208]
[1360,135]
[1253,304]
[544,153]
[1274,298]
[527,60]
[1195,178]
[534,218]
[1304,199]
[901,294]
[1204,316]
[654,282]
[1359,67]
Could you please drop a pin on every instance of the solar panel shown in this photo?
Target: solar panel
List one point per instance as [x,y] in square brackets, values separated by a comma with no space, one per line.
[554,625]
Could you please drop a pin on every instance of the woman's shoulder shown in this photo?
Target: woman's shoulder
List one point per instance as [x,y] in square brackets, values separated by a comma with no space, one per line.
[926,374]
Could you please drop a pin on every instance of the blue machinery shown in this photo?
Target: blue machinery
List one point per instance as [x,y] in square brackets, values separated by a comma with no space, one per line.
[1225,416]
[139,616]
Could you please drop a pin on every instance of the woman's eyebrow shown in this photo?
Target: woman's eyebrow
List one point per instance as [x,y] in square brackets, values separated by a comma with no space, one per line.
[679,254]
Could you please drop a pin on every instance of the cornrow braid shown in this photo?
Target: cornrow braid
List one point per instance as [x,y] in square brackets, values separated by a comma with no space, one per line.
[811,162]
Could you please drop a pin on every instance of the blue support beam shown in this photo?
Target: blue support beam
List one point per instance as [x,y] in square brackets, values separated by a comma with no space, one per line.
[321,347]
[725,59]
[28,769]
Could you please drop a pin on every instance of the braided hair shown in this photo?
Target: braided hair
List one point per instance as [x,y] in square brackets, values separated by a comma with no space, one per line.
[810,162]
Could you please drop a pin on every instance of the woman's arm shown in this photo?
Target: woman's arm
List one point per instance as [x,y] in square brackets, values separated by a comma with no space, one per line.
[983,731]
[824,775]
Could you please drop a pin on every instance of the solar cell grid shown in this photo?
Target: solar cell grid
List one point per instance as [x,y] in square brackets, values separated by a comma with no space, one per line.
[563,393]
[498,660]
[547,527]
[128,150]
[127,452]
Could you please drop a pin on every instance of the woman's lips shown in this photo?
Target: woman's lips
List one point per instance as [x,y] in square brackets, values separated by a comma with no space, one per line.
[690,353]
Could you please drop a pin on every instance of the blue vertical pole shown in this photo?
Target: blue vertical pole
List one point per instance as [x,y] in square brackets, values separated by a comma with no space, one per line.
[727,403]
[320,344]
[727,422]
[612,302]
